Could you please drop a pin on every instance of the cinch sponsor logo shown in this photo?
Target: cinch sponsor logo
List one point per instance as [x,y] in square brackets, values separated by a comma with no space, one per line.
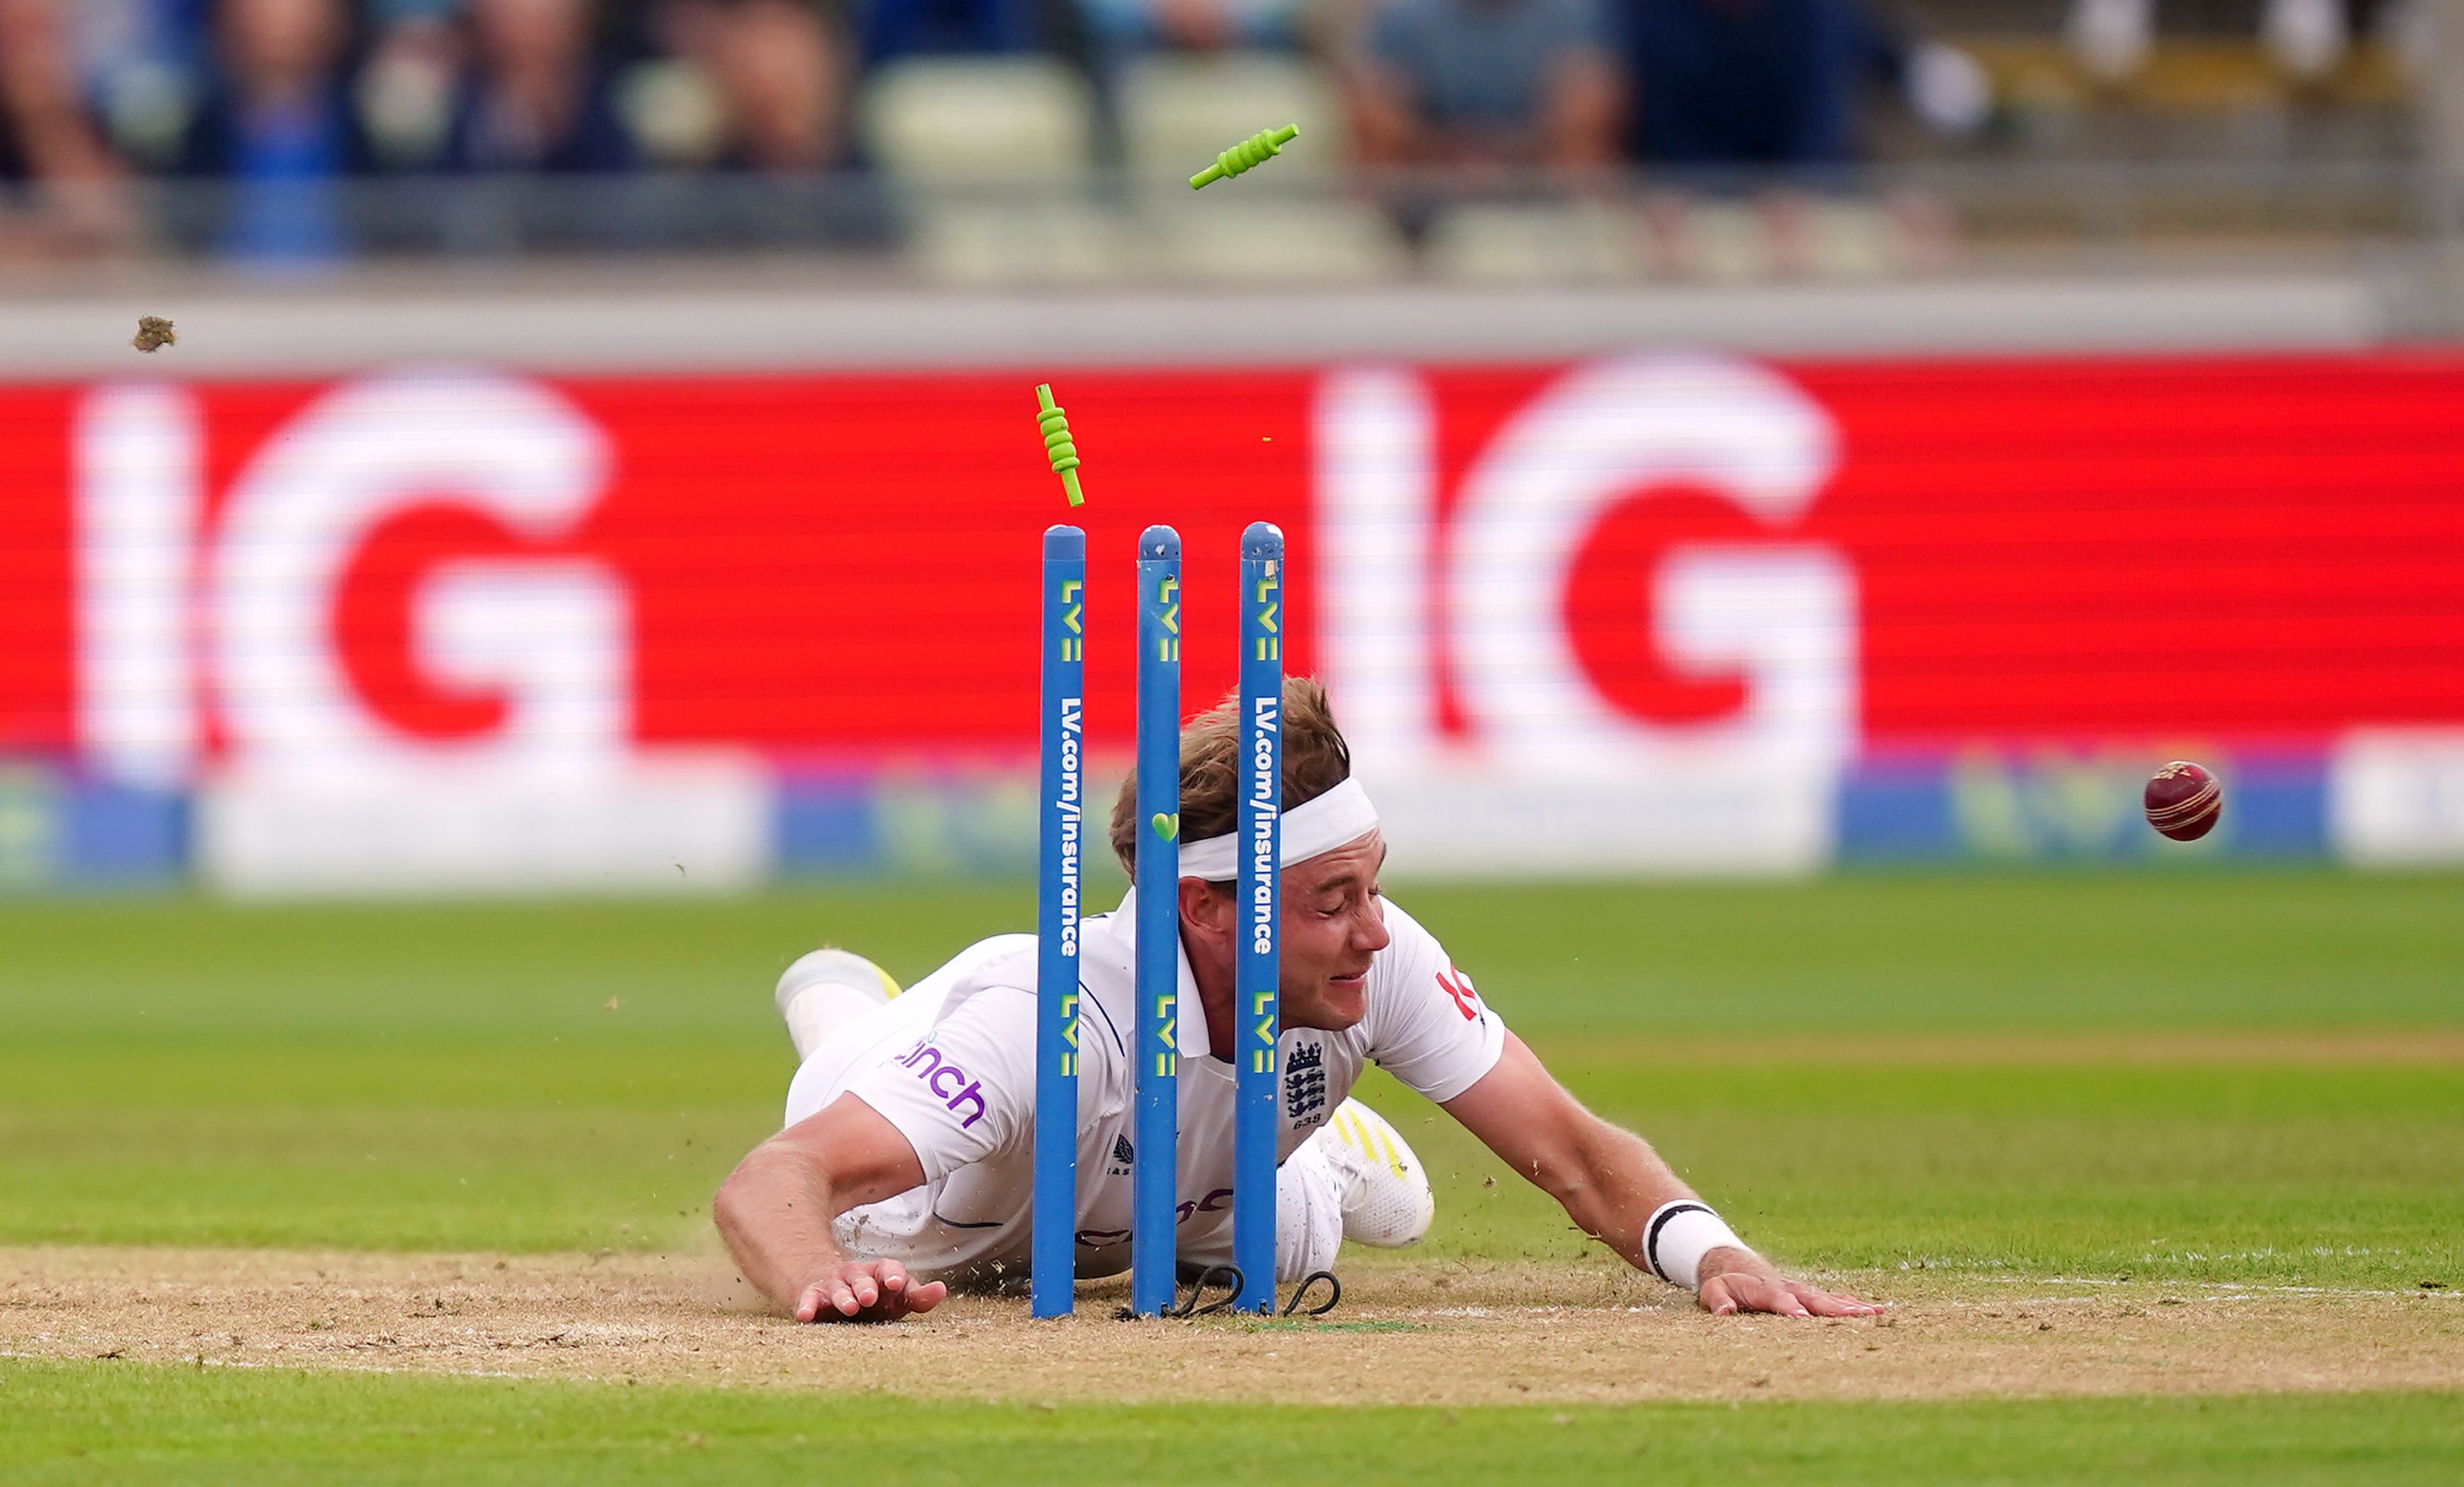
[948,1083]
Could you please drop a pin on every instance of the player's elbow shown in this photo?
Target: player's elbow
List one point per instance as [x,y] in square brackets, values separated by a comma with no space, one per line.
[731,1207]
[751,1193]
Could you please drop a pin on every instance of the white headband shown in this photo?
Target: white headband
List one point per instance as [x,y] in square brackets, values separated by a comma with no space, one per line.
[1341,815]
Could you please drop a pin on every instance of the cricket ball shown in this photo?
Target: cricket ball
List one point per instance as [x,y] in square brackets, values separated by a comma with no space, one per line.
[2183,800]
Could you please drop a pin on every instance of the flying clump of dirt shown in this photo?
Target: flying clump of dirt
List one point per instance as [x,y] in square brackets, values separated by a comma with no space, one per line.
[153,334]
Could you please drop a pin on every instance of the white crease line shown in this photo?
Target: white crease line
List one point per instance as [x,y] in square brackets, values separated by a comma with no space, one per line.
[2442,1293]
[199,1362]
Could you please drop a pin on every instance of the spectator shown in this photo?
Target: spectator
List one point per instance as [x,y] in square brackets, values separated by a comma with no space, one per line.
[536,98]
[405,90]
[1473,83]
[1195,25]
[178,31]
[278,122]
[782,74]
[65,185]
[142,62]
[1768,82]
[890,29]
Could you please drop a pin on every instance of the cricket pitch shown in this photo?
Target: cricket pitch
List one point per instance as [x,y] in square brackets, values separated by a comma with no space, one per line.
[1413,1332]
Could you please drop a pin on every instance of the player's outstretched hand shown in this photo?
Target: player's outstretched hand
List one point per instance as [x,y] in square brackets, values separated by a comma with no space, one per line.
[867,1290]
[1753,1285]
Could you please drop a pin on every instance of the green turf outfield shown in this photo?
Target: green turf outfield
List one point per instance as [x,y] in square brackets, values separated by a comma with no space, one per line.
[167,1425]
[454,1078]
[2209,1076]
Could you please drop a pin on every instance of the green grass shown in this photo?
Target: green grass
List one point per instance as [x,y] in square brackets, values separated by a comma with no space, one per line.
[1869,952]
[456,1077]
[2317,1176]
[452,1077]
[76,1423]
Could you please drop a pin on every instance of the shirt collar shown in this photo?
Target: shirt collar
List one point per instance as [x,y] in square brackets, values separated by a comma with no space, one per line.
[1189,1020]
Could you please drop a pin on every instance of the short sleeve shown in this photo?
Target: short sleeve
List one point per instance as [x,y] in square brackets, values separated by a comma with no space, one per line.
[965,1090]
[1427,1026]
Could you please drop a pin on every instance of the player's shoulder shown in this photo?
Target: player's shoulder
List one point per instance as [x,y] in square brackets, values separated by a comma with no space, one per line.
[1003,960]
[988,974]
[997,987]
[1416,994]
[1410,964]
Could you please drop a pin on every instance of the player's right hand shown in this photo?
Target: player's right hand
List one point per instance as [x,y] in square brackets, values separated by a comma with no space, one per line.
[867,1290]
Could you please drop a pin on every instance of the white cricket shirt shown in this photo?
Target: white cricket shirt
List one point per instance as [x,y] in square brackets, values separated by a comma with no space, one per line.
[951,1064]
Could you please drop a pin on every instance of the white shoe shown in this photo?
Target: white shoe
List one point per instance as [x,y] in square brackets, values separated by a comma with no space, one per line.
[1386,1198]
[823,991]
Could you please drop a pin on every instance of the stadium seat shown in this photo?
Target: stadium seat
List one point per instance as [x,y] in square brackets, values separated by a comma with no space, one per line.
[1021,243]
[1281,225]
[1488,242]
[1282,239]
[1178,112]
[1841,239]
[1785,237]
[993,156]
[980,120]
[1723,241]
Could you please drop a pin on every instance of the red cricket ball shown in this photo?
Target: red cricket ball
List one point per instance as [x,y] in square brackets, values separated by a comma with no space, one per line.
[2183,800]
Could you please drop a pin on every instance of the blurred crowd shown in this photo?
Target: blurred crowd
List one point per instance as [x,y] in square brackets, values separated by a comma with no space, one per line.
[277,96]
[274,94]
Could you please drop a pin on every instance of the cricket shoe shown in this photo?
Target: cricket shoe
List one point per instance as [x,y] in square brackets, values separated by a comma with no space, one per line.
[826,990]
[1386,1198]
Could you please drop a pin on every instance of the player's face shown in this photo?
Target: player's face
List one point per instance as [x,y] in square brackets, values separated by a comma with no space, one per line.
[1333,922]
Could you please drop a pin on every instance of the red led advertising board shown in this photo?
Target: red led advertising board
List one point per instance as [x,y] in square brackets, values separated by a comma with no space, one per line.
[842,566]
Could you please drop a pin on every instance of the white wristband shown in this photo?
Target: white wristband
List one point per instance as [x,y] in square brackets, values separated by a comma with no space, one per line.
[1679,1235]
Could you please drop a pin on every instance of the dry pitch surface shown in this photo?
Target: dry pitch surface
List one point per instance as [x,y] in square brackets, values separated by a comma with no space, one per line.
[1428,1333]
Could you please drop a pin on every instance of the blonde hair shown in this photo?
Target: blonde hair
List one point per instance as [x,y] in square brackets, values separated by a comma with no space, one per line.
[1316,760]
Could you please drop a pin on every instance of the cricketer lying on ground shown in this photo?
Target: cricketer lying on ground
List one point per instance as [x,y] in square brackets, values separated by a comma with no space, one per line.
[906,1159]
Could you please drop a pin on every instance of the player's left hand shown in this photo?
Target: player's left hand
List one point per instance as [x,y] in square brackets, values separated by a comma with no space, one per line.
[1731,1281]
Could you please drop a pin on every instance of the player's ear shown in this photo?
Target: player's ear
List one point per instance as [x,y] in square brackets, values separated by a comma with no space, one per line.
[1206,907]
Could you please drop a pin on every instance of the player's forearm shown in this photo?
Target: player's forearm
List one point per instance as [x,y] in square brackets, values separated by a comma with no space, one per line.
[1618,1182]
[1609,1180]
[775,1211]
[1629,1185]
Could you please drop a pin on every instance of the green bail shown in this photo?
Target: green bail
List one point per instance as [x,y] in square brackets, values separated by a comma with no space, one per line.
[1264,145]
[1057,444]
